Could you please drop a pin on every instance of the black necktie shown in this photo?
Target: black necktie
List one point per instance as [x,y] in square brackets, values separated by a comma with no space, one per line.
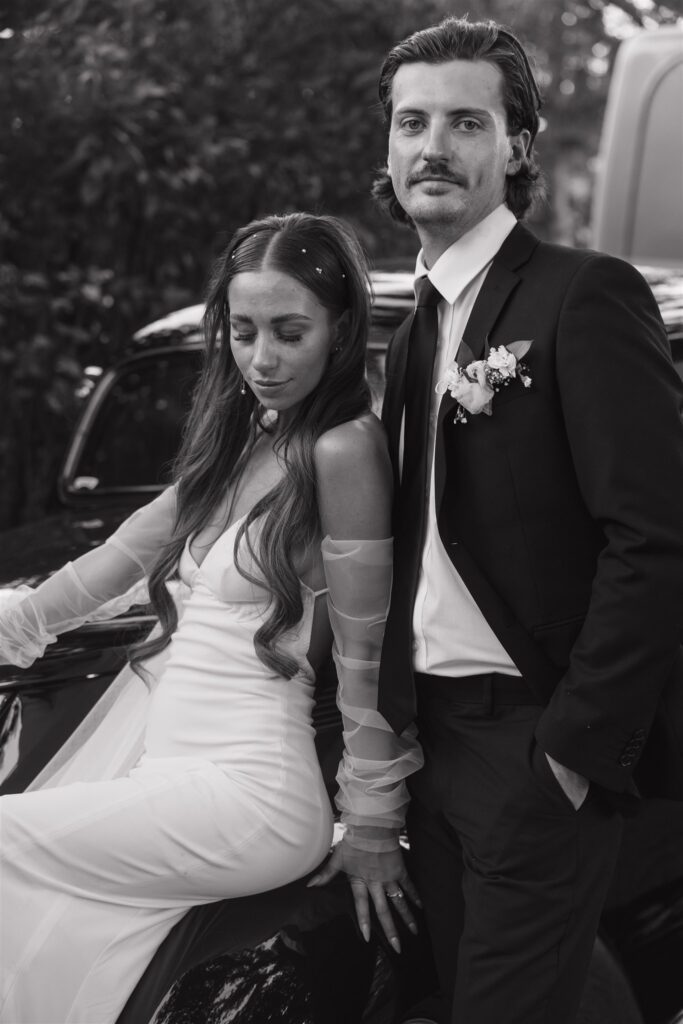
[396,690]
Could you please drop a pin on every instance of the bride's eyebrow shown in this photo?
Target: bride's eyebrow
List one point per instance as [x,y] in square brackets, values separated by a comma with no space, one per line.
[242,318]
[289,316]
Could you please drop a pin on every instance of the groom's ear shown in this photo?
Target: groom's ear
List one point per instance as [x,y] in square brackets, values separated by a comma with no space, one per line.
[519,147]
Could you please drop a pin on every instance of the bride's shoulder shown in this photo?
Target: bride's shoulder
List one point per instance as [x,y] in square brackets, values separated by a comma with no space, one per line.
[361,438]
[354,480]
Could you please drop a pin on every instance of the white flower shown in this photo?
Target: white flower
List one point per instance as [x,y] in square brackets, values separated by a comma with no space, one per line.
[469,387]
[449,381]
[476,396]
[503,361]
[474,386]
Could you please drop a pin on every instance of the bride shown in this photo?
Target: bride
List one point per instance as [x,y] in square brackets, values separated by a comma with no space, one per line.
[278,527]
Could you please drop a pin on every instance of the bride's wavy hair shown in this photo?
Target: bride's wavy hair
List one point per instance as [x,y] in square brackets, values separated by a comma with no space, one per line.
[323,255]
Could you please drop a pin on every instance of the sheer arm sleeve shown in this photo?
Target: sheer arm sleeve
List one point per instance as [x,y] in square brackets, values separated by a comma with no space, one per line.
[98,585]
[372,795]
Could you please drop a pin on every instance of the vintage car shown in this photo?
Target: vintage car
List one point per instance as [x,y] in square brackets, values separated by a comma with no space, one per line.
[294,954]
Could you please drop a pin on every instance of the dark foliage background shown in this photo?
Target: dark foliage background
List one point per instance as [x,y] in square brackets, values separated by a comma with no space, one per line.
[138,134]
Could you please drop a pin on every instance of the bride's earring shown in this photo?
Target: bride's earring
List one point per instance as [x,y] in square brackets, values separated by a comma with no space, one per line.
[243,389]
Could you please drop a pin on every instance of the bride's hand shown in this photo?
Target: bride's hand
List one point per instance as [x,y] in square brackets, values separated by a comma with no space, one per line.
[381,877]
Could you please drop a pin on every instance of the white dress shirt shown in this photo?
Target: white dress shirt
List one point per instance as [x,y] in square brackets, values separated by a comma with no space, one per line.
[451,636]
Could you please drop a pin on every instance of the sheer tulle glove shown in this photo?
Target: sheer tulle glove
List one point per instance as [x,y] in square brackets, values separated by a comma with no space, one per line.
[372,795]
[23,636]
[376,762]
[31,619]
[100,584]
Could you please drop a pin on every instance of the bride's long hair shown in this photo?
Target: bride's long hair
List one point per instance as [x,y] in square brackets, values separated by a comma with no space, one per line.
[323,255]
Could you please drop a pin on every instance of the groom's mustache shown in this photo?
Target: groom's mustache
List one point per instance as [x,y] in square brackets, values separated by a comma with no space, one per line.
[437,172]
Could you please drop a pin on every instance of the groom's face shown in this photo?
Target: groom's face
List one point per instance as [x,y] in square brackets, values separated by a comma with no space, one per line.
[449,147]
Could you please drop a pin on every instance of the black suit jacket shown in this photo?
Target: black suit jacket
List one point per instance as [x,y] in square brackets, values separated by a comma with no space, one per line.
[563,511]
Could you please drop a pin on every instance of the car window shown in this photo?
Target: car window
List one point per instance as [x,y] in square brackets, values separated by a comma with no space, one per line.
[380,335]
[135,432]
[387,315]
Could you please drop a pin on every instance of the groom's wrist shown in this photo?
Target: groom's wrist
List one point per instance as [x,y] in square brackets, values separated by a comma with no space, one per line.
[574,785]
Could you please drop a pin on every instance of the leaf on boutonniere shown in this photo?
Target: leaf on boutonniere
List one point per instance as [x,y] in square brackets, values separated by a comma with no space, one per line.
[518,348]
[464,355]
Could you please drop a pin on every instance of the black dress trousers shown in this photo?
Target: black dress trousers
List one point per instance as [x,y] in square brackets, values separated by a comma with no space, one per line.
[512,878]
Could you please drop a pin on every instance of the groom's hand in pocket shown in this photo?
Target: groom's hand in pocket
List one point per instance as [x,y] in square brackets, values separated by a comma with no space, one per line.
[574,786]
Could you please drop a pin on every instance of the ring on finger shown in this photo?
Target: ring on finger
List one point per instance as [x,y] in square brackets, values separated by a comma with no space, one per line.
[398,895]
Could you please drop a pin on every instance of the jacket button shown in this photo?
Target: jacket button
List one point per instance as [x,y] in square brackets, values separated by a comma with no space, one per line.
[626,760]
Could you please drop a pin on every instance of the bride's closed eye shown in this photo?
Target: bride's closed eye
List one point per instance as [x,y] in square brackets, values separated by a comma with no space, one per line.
[289,337]
[248,338]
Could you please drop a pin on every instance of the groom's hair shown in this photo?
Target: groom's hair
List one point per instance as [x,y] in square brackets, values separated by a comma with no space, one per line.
[461,39]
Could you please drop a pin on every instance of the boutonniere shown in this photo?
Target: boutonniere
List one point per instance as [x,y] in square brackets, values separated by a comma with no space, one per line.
[474,385]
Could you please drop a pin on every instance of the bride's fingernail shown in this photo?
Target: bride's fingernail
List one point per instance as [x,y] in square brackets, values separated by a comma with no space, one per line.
[413,928]
[396,944]
[365,932]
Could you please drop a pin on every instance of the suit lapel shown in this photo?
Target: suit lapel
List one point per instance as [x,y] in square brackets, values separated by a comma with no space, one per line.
[500,282]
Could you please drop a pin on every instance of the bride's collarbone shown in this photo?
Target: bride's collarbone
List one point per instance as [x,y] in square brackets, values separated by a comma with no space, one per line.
[262,473]
[259,477]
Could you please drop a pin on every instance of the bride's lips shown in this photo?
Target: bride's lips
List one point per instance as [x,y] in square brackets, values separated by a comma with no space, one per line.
[269,385]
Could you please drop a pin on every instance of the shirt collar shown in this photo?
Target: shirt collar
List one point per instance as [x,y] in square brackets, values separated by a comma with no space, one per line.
[461,262]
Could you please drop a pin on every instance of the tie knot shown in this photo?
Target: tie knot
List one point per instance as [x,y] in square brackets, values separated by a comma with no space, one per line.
[426,293]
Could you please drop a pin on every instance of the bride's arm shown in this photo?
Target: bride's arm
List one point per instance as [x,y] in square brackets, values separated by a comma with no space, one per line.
[104,581]
[354,497]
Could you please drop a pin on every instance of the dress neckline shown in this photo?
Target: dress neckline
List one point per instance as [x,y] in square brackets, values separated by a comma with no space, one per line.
[236,522]
[219,538]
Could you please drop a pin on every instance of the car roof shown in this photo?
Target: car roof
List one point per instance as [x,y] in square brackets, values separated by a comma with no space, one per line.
[181,321]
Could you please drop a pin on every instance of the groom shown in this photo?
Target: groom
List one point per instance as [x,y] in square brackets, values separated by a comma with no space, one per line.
[537,607]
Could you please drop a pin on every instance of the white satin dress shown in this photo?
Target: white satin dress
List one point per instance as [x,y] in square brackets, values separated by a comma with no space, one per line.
[226,800]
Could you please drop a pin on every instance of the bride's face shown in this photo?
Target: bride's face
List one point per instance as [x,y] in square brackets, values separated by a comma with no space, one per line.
[280,335]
